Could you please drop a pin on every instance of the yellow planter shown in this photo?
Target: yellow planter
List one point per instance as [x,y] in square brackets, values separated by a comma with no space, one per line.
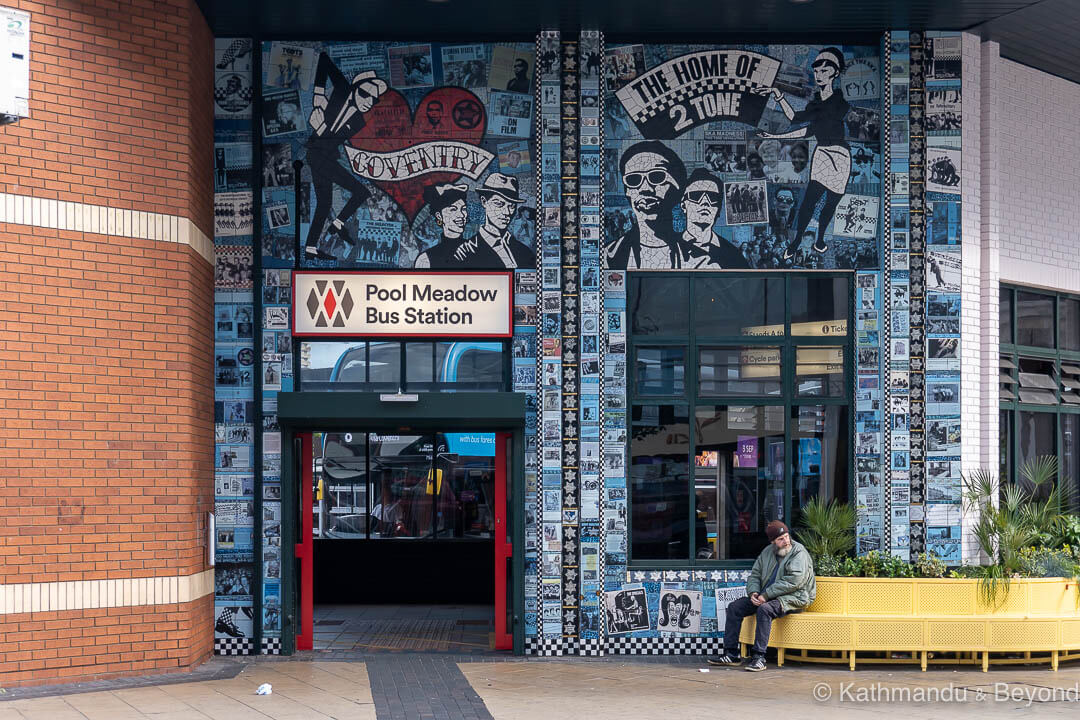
[931,621]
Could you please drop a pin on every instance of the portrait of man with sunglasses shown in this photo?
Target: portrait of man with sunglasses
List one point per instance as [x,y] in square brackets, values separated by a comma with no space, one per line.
[701,247]
[654,177]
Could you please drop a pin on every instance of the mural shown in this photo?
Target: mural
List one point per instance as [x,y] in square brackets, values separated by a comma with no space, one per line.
[748,157]
[413,155]
[572,163]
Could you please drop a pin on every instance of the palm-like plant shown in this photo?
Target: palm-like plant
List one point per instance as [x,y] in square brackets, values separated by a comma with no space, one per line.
[827,528]
[1024,512]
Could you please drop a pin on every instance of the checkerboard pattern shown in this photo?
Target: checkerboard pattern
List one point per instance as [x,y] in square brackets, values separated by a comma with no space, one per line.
[233,646]
[664,646]
[271,646]
[693,89]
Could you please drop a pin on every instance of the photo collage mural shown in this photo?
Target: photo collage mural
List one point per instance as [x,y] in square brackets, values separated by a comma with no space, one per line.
[374,155]
[573,163]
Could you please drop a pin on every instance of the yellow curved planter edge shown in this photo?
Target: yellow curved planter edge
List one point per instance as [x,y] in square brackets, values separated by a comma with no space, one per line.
[922,615]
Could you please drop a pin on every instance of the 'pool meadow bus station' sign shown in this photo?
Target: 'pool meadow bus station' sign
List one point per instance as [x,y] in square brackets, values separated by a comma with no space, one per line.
[403,304]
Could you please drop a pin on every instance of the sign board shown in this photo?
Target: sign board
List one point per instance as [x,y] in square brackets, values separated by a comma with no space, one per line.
[402,304]
[14,64]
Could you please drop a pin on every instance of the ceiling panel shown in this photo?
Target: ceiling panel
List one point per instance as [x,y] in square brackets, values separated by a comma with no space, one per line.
[1040,33]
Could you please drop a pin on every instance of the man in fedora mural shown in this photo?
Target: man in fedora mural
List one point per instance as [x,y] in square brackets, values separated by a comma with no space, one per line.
[493,247]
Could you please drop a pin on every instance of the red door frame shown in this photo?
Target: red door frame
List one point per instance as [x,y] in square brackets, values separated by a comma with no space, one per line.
[504,548]
[305,549]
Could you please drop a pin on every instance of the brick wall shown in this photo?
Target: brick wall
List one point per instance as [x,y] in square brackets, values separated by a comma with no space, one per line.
[106,405]
[120,108]
[44,648]
[1039,153]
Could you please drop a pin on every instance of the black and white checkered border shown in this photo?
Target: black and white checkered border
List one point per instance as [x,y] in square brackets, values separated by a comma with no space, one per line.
[664,645]
[271,646]
[233,646]
[590,647]
[697,87]
[886,304]
[550,647]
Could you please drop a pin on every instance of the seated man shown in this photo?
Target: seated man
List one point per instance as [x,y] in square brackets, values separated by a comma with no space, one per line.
[781,582]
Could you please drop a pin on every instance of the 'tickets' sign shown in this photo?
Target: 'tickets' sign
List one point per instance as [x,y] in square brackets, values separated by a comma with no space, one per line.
[403,304]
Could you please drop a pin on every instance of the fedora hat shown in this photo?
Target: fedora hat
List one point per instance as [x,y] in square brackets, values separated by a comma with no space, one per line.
[499,184]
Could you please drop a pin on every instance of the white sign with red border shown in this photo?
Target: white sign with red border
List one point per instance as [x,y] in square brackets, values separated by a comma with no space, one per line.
[403,304]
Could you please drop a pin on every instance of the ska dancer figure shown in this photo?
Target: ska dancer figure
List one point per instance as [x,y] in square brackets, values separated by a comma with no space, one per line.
[334,120]
[831,164]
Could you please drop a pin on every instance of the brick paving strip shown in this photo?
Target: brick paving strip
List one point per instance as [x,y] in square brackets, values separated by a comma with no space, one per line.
[414,686]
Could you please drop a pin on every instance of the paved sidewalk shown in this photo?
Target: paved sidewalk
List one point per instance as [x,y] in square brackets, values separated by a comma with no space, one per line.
[439,687]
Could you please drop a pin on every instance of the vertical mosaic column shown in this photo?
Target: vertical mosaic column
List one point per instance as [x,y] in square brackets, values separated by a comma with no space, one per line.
[897,289]
[549,620]
[940,283]
[235,417]
[591,460]
[570,221]
[885,323]
[917,285]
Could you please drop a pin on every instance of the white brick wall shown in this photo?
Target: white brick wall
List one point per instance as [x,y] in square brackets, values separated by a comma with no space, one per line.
[1021,219]
[974,341]
[1039,153]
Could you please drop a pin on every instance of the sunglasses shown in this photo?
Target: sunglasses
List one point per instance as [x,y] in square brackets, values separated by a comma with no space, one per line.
[704,197]
[655,177]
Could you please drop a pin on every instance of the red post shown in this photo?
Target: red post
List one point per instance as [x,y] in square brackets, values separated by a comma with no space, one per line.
[305,549]
[504,548]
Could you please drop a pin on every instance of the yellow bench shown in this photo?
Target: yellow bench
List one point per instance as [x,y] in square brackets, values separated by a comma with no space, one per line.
[940,621]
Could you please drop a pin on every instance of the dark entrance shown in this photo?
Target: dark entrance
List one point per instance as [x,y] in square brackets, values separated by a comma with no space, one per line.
[404,532]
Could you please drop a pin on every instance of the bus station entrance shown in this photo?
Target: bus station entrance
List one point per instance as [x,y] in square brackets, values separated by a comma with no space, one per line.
[404,527]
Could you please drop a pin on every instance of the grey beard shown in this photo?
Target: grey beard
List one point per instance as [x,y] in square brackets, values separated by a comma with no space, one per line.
[781,552]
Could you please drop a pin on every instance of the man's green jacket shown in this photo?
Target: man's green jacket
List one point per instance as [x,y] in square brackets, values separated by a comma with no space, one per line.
[794,586]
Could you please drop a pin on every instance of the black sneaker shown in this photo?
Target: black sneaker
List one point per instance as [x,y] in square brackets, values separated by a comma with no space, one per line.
[725,660]
[756,665]
[819,246]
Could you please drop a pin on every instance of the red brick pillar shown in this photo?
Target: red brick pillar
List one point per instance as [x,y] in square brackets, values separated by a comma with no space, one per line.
[106,390]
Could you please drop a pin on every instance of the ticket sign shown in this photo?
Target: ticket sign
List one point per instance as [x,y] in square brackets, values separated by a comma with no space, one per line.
[403,304]
[823,328]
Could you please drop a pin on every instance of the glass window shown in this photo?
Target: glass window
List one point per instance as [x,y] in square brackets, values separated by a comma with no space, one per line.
[333,365]
[659,480]
[1069,324]
[819,371]
[748,370]
[1070,461]
[1037,434]
[1034,319]
[738,306]
[464,490]
[402,487]
[1005,315]
[384,365]
[660,370]
[341,506]
[1037,381]
[819,456]
[1005,437]
[819,306]
[660,306]
[469,366]
[420,366]
[738,478]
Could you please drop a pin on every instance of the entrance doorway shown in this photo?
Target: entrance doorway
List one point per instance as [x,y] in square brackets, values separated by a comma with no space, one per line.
[405,544]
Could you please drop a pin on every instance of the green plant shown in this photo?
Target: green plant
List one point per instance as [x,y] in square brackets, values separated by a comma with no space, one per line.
[849,567]
[895,567]
[827,566]
[873,564]
[1011,518]
[929,565]
[827,528]
[1067,531]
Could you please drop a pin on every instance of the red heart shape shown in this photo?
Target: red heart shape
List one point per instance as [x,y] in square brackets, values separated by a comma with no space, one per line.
[447,113]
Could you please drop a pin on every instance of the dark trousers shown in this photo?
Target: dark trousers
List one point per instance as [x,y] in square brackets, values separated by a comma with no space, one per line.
[742,608]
